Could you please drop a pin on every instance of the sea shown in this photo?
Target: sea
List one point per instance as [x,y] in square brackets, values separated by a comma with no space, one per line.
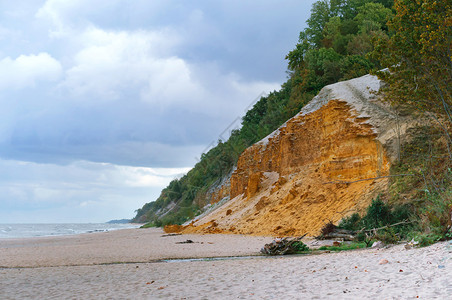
[37,230]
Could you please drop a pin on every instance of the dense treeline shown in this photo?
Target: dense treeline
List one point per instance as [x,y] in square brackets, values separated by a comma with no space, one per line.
[343,39]
[336,42]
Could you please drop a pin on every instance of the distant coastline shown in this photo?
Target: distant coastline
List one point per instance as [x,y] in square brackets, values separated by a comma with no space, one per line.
[121,221]
[40,230]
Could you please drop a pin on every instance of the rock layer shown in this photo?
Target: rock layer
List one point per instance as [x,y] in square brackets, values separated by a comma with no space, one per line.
[327,162]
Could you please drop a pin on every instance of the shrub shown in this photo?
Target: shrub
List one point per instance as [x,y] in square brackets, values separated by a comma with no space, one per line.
[351,223]
[427,239]
[299,246]
[437,214]
[387,235]
[344,247]
[378,214]
[148,225]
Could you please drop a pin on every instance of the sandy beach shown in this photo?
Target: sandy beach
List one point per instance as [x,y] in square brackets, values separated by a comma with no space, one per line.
[147,264]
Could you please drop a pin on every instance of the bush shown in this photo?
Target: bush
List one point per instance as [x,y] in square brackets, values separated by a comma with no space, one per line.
[350,223]
[387,235]
[425,240]
[148,225]
[299,246]
[380,214]
[438,213]
[344,246]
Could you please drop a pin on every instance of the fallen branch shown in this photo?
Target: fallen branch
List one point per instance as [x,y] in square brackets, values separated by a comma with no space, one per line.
[366,179]
[334,235]
[281,246]
[349,235]
[387,226]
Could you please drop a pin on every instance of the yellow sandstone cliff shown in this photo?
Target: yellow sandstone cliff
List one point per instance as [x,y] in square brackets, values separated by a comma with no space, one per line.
[327,162]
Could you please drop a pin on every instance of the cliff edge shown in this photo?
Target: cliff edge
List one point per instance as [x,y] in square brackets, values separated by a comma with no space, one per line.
[327,162]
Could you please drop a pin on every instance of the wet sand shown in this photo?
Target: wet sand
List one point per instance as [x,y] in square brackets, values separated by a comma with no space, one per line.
[130,264]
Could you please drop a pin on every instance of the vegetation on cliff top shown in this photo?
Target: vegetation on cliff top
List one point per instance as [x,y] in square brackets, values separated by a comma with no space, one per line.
[346,39]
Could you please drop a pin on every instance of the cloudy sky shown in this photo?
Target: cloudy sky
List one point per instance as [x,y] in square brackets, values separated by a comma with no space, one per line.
[102,103]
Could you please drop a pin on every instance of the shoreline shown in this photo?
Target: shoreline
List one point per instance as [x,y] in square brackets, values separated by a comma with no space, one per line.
[136,245]
[35,230]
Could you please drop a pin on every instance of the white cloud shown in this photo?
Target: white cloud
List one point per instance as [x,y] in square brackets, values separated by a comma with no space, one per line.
[57,13]
[109,63]
[171,81]
[118,190]
[142,177]
[28,70]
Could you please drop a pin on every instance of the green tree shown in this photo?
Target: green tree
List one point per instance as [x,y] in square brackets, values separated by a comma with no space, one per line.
[418,55]
[373,17]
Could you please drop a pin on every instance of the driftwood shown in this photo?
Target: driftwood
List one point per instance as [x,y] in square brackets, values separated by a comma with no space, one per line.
[281,246]
[333,232]
[334,235]
[170,234]
[330,231]
[185,242]
[387,226]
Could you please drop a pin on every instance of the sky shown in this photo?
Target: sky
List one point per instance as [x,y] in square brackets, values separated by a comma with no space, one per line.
[103,103]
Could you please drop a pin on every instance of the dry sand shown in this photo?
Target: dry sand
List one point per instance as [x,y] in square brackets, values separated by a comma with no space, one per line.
[127,264]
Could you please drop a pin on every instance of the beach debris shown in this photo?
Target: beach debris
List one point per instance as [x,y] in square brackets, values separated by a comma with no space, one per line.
[282,246]
[378,244]
[171,234]
[185,242]
[331,231]
[383,262]
[411,244]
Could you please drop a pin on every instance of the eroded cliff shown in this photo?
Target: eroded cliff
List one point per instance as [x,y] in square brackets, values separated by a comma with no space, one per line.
[327,162]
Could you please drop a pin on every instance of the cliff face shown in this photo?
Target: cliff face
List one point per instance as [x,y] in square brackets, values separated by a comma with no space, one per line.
[327,162]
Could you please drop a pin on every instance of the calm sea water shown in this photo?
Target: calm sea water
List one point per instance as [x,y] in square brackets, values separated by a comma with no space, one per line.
[35,230]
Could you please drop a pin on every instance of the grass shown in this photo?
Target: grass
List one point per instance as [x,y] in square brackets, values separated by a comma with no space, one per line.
[345,247]
[148,225]
[342,247]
